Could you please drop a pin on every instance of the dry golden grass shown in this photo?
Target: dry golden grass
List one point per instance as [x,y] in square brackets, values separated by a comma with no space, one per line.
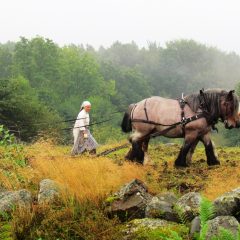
[91,178]
[85,177]
[222,180]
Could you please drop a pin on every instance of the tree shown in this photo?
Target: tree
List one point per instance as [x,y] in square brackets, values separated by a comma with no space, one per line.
[21,111]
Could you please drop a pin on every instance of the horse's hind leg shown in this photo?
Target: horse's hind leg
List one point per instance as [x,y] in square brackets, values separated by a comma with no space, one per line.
[145,149]
[210,151]
[190,153]
[136,152]
[130,155]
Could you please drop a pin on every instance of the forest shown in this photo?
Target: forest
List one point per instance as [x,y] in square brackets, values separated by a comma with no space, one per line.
[42,84]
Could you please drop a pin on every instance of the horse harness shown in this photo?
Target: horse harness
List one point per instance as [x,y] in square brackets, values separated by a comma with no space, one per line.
[183,121]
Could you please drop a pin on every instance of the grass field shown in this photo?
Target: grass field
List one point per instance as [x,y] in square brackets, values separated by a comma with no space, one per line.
[89,180]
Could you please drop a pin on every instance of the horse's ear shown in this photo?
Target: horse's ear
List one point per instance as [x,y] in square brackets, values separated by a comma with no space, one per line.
[230,95]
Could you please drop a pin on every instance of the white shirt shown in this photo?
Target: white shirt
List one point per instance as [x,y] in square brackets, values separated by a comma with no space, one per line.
[82,120]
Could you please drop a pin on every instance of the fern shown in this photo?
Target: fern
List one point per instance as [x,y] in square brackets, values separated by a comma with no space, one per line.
[5,231]
[183,216]
[207,211]
[174,236]
[203,232]
[224,234]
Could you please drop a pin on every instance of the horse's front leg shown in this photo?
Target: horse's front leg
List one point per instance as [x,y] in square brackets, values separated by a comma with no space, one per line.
[181,159]
[210,150]
[189,142]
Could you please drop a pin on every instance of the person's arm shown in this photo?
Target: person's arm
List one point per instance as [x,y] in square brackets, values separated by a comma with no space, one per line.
[83,122]
[86,120]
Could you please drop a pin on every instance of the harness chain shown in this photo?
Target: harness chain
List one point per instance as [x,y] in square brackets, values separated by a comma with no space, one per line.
[182,103]
[183,121]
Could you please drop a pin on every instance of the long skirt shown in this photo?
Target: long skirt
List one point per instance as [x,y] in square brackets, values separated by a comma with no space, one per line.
[82,144]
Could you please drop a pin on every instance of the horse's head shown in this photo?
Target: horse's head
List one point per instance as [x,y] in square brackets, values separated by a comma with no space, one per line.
[229,107]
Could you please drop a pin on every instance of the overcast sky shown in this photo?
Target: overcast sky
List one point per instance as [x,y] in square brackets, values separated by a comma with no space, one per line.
[101,22]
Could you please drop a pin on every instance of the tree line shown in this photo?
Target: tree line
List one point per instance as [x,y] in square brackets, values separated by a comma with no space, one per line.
[43,84]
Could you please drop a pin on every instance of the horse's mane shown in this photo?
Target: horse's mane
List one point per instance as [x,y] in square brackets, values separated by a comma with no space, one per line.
[212,97]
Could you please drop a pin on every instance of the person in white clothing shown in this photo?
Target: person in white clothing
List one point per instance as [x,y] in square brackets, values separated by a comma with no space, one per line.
[83,139]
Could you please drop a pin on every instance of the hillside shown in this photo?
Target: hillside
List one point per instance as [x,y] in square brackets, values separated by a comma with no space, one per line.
[89,180]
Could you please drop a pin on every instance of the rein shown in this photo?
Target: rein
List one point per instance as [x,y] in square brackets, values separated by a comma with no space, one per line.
[170,127]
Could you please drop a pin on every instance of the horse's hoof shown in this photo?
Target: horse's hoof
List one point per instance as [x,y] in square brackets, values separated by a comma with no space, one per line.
[214,163]
[181,166]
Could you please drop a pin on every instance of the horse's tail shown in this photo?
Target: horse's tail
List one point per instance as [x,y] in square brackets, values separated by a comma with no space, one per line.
[126,122]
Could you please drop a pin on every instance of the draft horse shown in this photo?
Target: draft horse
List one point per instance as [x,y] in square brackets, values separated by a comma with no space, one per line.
[192,117]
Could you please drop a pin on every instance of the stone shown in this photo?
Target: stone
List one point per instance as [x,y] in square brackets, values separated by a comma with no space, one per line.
[227,222]
[189,205]
[11,199]
[49,192]
[158,208]
[228,204]
[130,202]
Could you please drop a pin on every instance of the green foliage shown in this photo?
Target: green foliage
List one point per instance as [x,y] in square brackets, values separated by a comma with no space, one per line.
[206,211]
[74,221]
[183,216]
[15,153]
[5,230]
[225,235]
[175,232]
[5,136]
[21,110]
[41,82]
[111,199]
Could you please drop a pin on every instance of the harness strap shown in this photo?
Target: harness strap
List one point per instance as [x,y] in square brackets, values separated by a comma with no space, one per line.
[156,134]
[145,109]
[133,110]
[186,120]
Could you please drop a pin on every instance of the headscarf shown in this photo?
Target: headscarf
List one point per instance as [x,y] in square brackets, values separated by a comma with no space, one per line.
[85,103]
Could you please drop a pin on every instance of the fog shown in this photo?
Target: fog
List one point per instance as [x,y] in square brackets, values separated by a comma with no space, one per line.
[100,23]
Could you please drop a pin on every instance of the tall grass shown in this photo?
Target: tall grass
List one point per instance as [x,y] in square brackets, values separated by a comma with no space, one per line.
[85,177]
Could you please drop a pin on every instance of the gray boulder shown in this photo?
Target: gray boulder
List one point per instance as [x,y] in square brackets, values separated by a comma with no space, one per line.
[168,197]
[11,199]
[188,205]
[49,192]
[145,223]
[228,204]
[195,226]
[130,202]
[159,207]
[138,226]
[227,222]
